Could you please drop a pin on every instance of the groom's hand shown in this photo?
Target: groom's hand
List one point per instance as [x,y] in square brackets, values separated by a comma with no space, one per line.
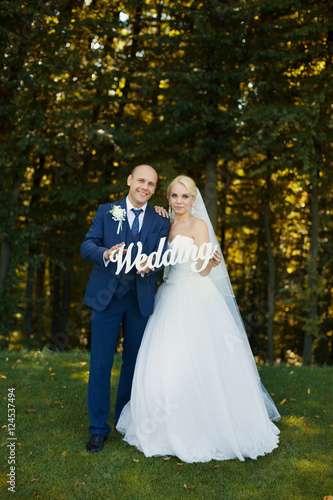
[145,270]
[112,250]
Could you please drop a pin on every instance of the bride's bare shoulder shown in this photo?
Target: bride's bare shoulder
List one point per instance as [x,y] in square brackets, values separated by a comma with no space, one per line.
[199,226]
[199,222]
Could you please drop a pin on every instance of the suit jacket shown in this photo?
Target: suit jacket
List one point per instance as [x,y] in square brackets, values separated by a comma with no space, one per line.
[101,236]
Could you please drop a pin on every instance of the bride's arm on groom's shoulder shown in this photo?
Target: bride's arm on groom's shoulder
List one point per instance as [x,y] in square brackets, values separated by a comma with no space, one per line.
[161,211]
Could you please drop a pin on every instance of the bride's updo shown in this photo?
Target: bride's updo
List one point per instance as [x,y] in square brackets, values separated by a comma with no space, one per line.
[187,182]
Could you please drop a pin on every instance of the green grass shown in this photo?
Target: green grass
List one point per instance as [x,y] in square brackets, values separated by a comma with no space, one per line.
[52,463]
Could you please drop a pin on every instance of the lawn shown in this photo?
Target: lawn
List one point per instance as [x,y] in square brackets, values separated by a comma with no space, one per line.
[51,427]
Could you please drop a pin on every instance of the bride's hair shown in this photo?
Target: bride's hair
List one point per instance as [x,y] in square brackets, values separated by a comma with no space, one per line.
[188,182]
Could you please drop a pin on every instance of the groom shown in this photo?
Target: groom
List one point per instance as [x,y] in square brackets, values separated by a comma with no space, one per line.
[124,299]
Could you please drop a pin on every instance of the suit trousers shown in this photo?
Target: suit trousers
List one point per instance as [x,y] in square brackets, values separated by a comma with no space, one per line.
[105,329]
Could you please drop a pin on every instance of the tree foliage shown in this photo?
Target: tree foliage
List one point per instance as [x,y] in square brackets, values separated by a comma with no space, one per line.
[236,94]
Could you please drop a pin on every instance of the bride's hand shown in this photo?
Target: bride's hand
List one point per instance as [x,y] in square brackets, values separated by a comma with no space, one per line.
[161,211]
[216,259]
[146,269]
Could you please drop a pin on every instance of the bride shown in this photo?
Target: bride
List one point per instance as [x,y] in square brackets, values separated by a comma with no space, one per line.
[196,391]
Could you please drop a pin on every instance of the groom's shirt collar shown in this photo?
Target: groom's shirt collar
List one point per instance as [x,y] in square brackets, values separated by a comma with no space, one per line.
[130,214]
[129,206]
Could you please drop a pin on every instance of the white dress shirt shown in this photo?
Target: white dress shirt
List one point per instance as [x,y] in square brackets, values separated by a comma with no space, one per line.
[130,217]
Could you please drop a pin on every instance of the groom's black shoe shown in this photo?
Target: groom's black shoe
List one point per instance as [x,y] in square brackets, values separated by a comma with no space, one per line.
[96,443]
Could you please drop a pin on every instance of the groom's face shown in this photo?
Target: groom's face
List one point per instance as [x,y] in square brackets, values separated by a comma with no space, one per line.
[142,184]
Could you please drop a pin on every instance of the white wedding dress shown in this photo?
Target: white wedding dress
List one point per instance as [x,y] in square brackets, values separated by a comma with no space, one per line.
[196,393]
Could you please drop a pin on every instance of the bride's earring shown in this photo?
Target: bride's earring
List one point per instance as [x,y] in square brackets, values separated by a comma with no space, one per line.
[170,212]
[192,211]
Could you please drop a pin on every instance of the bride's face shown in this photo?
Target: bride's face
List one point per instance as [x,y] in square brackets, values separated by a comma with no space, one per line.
[180,199]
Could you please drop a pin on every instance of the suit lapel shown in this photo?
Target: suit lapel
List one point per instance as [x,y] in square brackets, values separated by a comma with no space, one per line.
[146,226]
[128,236]
[121,236]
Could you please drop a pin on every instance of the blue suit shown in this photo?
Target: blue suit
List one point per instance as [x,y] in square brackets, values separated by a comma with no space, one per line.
[124,299]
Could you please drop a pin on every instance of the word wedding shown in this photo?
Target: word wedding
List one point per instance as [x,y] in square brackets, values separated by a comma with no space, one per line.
[170,257]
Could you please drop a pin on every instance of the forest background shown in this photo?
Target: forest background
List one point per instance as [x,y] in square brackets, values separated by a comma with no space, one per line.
[236,94]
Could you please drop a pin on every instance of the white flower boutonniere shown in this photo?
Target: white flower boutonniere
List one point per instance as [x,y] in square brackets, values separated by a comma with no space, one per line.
[119,215]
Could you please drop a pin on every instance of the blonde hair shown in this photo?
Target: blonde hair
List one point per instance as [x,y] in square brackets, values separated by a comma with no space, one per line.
[188,182]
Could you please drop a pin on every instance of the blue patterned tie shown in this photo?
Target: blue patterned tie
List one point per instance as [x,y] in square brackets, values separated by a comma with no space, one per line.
[135,225]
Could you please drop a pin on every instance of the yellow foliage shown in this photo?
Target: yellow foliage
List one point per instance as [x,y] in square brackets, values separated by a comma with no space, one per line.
[122,83]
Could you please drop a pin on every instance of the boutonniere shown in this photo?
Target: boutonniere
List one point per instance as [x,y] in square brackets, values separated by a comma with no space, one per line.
[119,215]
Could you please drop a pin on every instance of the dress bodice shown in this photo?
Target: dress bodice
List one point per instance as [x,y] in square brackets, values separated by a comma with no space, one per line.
[183,254]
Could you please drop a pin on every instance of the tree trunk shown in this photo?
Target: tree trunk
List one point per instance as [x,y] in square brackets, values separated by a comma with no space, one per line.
[29,302]
[4,263]
[4,243]
[308,337]
[40,303]
[271,275]
[66,284]
[210,191]
[55,327]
